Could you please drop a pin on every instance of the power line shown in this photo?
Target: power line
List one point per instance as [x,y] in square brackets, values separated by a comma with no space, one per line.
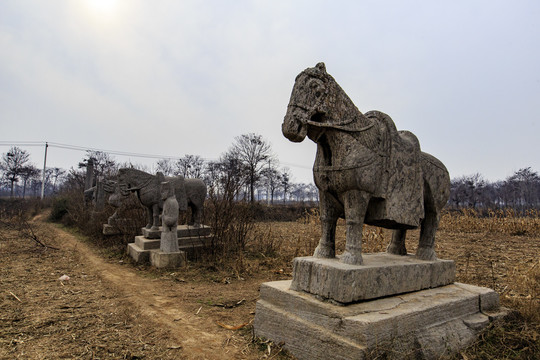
[83,148]
[113,152]
[22,143]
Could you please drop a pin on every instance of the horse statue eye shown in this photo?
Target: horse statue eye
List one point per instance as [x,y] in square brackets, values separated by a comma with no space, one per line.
[318,93]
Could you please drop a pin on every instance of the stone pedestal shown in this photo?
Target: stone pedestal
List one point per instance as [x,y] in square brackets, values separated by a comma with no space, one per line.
[141,249]
[110,230]
[423,324]
[392,306]
[381,275]
[162,259]
[182,230]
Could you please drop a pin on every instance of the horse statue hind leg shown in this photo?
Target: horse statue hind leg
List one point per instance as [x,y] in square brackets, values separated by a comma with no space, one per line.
[196,194]
[436,193]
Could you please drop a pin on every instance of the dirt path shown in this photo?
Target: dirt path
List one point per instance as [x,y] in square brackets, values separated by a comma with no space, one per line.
[151,299]
[182,314]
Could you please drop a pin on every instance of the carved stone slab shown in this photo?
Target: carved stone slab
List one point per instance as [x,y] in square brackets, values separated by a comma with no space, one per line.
[182,231]
[426,324]
[162,259]
[152,244]
[381,275]
[140,250]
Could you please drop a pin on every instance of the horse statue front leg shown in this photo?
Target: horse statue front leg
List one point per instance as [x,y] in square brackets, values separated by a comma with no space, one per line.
[149,217]
[155,216]
[329,216]
[355,203]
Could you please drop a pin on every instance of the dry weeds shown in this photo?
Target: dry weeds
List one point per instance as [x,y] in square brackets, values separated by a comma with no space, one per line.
[41,318]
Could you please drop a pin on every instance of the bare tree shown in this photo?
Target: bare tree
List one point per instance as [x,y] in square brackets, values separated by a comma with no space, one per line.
[468,191]
[57,173]
[285,182]
[190,166]
[253,152]
[523,188]
[271,180]
[12,165]
[166,166]
[104,164]
[28,172]
[224,177]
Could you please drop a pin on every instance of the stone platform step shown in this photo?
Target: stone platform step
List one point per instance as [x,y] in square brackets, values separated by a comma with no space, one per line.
[140,250]
[182,231]
[423,324]
[193,241]
[380,275]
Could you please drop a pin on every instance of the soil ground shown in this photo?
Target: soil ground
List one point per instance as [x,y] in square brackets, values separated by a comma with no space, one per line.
[112,309]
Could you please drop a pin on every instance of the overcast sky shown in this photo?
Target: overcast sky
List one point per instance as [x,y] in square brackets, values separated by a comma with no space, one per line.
[187,77]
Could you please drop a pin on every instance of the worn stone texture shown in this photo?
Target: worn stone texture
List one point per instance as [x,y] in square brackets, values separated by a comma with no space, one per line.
[188,192]
[191,245]
[169,219]
[169,260]
[110,230]
[381,275]
[191,241]
[139,255]
[182,231]
[423,324]
[366,171]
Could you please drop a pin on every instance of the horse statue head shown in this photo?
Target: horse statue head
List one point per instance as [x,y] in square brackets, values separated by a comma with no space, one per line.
[318,103]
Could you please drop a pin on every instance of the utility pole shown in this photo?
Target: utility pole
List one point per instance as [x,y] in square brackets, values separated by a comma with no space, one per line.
[44,167]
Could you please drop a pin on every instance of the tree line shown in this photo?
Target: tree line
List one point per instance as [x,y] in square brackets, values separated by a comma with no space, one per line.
[248,170]
[519,191]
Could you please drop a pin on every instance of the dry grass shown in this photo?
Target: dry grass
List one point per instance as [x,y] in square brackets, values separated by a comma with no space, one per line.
[499,251]
[502,221]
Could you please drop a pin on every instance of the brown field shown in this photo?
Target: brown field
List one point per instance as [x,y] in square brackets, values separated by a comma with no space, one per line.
[113,309]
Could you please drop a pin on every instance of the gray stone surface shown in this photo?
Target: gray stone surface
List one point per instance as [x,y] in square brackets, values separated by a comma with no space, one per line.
[182,231]
[188,192]
[140,256]
[380,275]
[110,230]
[162,259]
[365,169]
[183,242]
[120,201]
[423,324]
[142,247]
[169,219]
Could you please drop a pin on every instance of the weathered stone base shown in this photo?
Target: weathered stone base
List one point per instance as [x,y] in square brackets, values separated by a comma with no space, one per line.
[141,248]
[422,324]
[110,230]
[161,259]
[381,275]
[182,231]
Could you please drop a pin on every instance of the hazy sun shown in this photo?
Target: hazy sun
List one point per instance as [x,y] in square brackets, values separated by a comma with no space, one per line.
[104,7]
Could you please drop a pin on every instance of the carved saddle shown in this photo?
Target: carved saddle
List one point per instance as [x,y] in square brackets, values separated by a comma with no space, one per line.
[402,182]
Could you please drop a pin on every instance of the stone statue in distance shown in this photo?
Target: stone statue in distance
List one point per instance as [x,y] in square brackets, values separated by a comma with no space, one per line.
[169,218]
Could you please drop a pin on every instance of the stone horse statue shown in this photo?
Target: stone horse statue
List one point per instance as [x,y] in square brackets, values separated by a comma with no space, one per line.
[189,192]
[366,170]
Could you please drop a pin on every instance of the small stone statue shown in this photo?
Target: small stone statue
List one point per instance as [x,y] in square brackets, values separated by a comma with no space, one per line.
[169,219]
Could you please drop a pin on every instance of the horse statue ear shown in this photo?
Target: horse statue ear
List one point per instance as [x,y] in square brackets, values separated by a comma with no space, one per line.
[321,67]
